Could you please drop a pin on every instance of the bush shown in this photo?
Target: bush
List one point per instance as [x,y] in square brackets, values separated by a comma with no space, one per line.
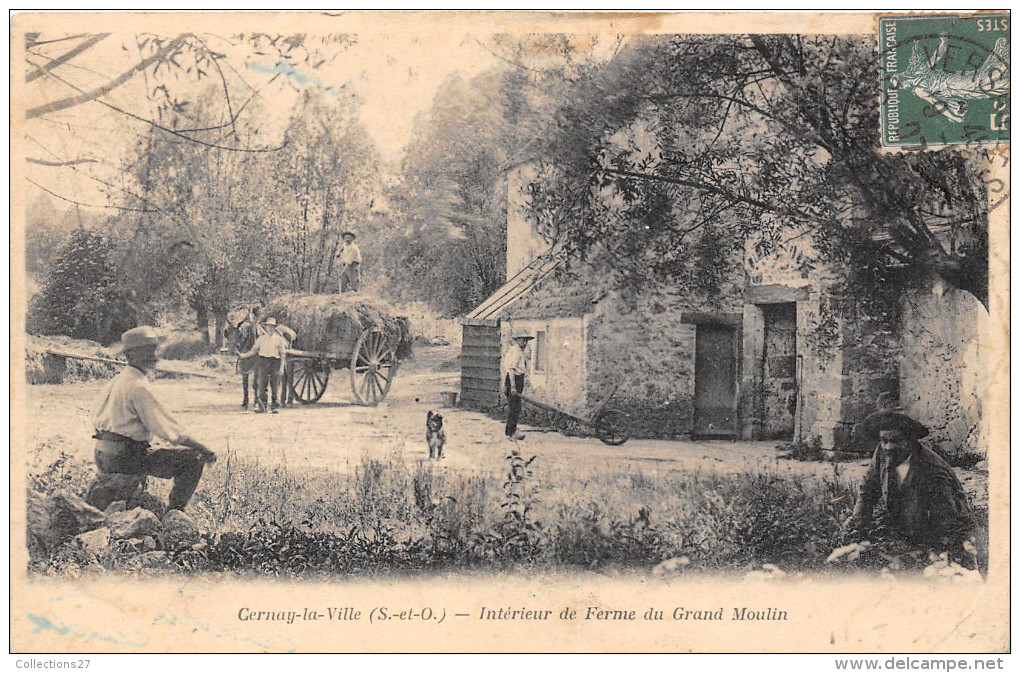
[186,346]
[80,297]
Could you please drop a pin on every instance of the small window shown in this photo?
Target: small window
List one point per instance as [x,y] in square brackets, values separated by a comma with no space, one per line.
[540,352]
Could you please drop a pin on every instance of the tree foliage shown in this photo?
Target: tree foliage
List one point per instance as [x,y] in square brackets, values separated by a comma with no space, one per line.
[81,297]
[323,183]
[684,145]
[449,247]
[213,228]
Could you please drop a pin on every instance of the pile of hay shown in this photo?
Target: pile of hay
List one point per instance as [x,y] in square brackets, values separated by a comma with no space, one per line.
[186,346]
[333,322]
[44,367]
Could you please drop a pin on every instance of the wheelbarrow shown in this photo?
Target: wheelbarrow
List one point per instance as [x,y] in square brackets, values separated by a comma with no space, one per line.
[608,424]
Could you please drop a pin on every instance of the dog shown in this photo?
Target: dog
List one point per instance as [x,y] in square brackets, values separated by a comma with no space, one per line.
[435,435]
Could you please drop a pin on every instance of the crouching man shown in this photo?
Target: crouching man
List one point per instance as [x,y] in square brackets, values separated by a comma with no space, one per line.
[126,417]
[908,489]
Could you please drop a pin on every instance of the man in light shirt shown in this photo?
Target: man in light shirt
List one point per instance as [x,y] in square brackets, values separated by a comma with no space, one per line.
[126,417]
[515,364]
[909,488]
[287,378]
[271,347]
[350,264]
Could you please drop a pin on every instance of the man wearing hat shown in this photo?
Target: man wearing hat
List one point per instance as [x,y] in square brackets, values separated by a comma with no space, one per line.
[126,417]
[350,264]
[916,492]
[271,347]
[515,364]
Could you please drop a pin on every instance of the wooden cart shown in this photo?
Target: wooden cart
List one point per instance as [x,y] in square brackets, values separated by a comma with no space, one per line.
[370,357]
[609,425]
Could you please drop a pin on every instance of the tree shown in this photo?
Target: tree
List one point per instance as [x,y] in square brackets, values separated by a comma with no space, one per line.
[450,246]
[166,74]
[323,183]
[193,236]
[751,137]
[81,297]
[46,229]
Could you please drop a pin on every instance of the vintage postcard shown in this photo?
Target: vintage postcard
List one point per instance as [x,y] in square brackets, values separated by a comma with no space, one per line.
[510,332]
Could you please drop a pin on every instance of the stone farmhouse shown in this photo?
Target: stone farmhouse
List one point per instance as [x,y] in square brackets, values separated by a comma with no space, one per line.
[765,357]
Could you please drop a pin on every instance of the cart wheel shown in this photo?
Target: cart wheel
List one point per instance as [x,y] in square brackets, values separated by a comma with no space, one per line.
[309,380]
[611,427]
[373,366]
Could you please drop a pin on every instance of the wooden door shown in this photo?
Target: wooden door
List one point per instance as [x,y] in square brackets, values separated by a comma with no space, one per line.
[779,371]
[479,367]
[715,380]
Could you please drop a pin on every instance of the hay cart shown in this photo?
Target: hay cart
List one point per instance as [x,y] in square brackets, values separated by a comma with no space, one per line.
[370,357]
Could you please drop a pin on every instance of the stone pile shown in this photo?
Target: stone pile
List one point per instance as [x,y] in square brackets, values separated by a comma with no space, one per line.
[62,518]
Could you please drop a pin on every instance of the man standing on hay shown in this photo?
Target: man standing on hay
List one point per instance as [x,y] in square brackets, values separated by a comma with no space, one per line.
[126,417]
[271,348]
[908,490]
[350,264]
[516,367]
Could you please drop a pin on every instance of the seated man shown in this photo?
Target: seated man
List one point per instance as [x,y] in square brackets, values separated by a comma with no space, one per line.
[916,493]
[126,417]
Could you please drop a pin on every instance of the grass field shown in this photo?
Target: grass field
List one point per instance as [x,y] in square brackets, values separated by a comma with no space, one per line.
[387,516]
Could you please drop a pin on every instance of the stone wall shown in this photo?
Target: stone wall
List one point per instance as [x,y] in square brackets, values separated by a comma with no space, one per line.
[561,381]
[869,364]
[790,273]
[941,384]
[644,347]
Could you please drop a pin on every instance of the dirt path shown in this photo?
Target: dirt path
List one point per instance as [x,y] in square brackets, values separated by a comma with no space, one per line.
[335,434]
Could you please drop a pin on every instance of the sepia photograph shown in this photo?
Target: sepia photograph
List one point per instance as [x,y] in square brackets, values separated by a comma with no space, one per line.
[453,332]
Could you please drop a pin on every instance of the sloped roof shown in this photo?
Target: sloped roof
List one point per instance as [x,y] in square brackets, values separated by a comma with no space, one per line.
[490,311]
[553,300]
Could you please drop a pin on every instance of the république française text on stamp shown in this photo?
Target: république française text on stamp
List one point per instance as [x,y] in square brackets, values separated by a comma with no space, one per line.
[944,80]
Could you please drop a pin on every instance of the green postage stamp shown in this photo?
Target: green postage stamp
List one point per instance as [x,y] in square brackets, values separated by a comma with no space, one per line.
[944,80]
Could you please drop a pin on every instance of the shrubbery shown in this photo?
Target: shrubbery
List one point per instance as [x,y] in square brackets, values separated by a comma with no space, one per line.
[390,517]
[80,297]
[186,346]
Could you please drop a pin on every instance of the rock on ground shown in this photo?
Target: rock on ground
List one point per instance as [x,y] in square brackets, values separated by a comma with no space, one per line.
[152,559]
[106,489]
[148,501]
[115,507]
[94,541]
[179,530]
[136,523]
[59,517]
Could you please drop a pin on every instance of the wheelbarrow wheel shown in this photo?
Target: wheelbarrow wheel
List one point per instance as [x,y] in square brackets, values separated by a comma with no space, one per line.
[611,427]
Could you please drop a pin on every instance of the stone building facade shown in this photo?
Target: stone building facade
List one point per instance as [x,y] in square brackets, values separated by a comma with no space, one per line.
[778,351]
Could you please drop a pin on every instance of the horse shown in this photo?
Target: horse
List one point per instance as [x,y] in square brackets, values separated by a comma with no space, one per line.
[241,337]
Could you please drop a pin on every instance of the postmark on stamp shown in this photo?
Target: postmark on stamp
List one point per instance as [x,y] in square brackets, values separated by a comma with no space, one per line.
[944,80]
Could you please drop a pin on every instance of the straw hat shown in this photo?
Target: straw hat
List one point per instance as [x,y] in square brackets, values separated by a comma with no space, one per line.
[138,337]
[521,334]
